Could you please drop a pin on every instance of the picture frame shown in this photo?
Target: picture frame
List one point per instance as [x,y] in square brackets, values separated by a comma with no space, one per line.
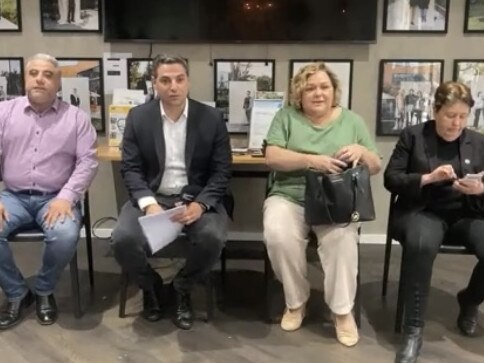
[474,16]
[235,83]
[471,73]
[415,16]
[11,78]
[343,68]
[82,85]
[10,16]
[406,89]
[71,16]
[140,74]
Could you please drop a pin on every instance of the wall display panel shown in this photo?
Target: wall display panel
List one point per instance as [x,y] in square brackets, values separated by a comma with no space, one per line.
[11,78]
[226,21]
[415,16]
[343,68]
[406,91]
[70,15]
[236,82]
[474,16]
[10,16]
[82,86]
[471,73]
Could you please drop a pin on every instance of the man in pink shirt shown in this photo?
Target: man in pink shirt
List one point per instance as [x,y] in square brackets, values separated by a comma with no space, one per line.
[47,161]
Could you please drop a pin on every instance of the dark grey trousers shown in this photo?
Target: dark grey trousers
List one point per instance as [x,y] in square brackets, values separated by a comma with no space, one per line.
[206,238]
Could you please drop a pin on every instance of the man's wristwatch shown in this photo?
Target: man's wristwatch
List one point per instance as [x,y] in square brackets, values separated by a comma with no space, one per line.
[204,206]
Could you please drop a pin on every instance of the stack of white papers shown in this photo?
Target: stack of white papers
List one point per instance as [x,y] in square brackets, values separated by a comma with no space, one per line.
[159,229]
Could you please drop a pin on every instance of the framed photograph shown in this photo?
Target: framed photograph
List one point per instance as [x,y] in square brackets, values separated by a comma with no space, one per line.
[474,16]
[343,68]
[415,16]
[236,82]
[82,86]
[70,15]
[139,76]
[471,73]
[10,16]
[406,91]
[11,78]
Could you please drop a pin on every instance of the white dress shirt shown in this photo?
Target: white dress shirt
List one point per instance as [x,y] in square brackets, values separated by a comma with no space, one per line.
[175,174]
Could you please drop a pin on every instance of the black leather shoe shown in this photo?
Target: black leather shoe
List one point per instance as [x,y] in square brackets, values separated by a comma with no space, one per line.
[467,319]
[152,301]
[411,344]
[184,313]
[14,311]
[46,309]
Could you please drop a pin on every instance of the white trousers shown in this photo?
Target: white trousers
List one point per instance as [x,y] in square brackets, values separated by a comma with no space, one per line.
[285,235]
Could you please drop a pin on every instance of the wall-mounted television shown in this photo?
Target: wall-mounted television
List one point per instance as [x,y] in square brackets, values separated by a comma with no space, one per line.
[245,21]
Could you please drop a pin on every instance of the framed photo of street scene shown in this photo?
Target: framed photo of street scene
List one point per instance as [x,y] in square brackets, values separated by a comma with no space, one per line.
[474,16]
[11,78]
[471,73]
[406,91]
[236,82]
[10,16]
[82,86]
[415,16]
[140,71]
[343,68]
[70,15]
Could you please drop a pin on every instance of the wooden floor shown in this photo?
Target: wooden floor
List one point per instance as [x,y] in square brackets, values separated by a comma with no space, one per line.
[237,334]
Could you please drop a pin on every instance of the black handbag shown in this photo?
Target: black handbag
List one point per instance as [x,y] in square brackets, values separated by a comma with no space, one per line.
[338,198]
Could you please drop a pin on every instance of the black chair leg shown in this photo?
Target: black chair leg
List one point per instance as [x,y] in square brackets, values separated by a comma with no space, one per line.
[87,227]
[400,298]
[268,276]
[386,266]
[209,290]
[223,269]
[76,296]
[123,293]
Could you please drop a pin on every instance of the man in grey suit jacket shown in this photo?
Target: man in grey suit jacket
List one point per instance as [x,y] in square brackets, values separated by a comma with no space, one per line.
[174,149]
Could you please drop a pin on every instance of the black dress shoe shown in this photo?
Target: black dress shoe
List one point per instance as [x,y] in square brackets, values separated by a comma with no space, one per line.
[411,344]
[152,301]
[467,319]
[46,309]
[14,311]
[184,313]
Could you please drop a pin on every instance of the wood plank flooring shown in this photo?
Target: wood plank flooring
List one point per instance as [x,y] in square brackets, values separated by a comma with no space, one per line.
[237,334]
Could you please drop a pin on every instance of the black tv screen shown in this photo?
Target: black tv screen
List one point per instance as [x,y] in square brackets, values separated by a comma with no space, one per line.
[249,21]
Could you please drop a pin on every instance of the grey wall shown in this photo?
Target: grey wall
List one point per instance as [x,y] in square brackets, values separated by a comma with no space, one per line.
[249,193]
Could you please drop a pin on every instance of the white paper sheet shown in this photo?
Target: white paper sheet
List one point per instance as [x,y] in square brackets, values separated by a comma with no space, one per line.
[159,229]
[115,71]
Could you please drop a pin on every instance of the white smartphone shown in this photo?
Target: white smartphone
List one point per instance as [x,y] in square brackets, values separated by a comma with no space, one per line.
[473,177]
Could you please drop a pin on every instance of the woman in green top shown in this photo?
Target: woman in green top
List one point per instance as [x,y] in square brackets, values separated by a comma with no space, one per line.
[314,132]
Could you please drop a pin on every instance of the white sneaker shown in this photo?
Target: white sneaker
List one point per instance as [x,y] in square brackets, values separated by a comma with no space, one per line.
[292,318]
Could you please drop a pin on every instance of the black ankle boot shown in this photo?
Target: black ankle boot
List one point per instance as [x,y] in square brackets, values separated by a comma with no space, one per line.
[411,344]
[468,314]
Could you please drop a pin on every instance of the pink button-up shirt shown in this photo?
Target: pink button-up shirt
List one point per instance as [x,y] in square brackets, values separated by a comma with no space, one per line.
[51,151]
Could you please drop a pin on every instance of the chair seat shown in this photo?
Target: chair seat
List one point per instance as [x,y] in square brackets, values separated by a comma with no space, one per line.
[33,235]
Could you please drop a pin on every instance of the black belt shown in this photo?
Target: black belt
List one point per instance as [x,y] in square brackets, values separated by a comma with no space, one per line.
[34,192]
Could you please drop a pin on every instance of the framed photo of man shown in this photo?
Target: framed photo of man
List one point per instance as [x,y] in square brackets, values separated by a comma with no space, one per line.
[415,16]
[343,68]
[471,73]
[82,86]
[10,16]
[70,15]
[11,78]
[235,83]
[406,91]
[140,71]
[474,16]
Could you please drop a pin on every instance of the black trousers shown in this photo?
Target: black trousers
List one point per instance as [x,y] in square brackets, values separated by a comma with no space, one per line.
[206,237]
[421,235]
